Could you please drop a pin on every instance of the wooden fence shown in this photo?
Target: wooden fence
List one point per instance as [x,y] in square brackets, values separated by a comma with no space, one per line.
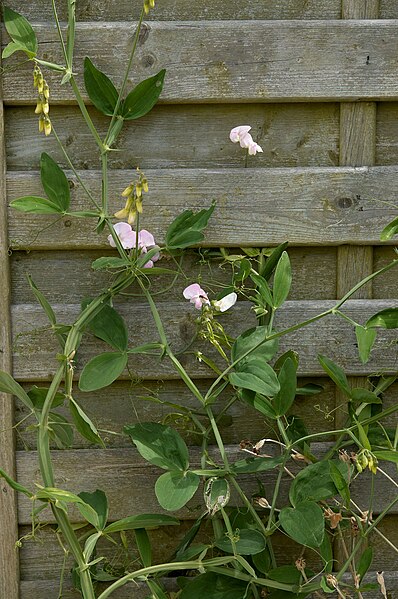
[318,82]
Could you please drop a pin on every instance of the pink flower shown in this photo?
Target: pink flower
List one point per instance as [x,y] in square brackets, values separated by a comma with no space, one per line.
[146,242]
[128,239]
[126,235]
[241,134]
[254,148]
[195,294]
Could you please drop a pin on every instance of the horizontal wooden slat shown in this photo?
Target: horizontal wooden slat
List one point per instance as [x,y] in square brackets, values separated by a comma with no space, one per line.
[122,403]
[38,590]
[35,348]
[235,60]
[180,10]
[126,479]
[254,206]
[183,136]
[314,274]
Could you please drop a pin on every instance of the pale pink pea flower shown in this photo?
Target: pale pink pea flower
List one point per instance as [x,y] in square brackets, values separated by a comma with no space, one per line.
[241,134]
[196,295]
[128,239]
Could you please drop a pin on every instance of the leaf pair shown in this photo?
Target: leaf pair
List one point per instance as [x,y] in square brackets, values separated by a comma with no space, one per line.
[56,186]
[21,32]
[163,447]
[104,95]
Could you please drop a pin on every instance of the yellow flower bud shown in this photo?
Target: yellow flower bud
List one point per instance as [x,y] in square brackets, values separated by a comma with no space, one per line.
[39,108]
[41,124]
[138,190]
[45,107]
[121,214]
[127,191]
[47,126]
[145,185]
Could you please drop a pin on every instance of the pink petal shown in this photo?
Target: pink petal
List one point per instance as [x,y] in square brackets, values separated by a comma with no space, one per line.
[192,291]
[126,235]
[149,264]
[145,239]
[246,141]
[237,132]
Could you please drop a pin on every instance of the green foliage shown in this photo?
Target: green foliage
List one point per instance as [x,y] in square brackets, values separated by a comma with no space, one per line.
[282,280]
[141,521]
[143,97]
[21,32]
[365,339]
[102,370]
[386,319]
[100,88]
[83,423]
[160,445]
[109,326]
[174,489]
[187,228]
[247,542]
[213,586]
[99,502]
[315,483]
[304,523]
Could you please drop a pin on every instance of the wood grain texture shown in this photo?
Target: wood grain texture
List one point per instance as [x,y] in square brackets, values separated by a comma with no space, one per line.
[67,277]
[9,568]
[40,589]
[360,9]
[126,478]
[235,60]
[180,10]
[183,136]
[357,133]
[124,403]
[387,134]
[255,207]
[384,286]
[35,348]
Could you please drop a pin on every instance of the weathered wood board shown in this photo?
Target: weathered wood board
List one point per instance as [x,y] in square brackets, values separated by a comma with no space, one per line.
[35,349]
[254,206]
[246,61]
[183,136]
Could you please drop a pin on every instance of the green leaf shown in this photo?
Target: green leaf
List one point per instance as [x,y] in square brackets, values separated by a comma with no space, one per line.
[60,430]
[90,544]
[102,370]
[286,574]
[187,228]
[309,389]
[250,339]
[20,31]
[11,48]
[305,523]
[336,374]
[109,326]
[386,319]
[365,562]
[14,485]
[388,455]
[83,423]
[38,395]
[35,205]
[259,403]
[100,88]
[216,494]
[160,445]
[284,399]
[109,262]
[8,385]
[340,483]
[282,359]
[258,464]
[257,376]
[326,553]
[54,182]
[363,436]
[42,301]
[273,260]
[99,503]
[214,586]
[263,289]
[143,97]
[144,546]
[141,521]
[174,489]
[282,280]
[314,483]
[365,339]
[249,542]
[390,230]
[364,396]
[262,561]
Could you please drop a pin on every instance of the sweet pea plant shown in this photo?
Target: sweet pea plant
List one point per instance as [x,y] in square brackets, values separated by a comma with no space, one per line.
[240,561]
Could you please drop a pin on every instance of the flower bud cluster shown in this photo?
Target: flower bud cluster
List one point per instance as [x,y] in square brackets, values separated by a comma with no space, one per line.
[366,459]
[148,4]
[42,107]
[133,193]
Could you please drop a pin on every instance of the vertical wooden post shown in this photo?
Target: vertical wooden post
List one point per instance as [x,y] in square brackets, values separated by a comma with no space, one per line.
[357,148]
[9,562]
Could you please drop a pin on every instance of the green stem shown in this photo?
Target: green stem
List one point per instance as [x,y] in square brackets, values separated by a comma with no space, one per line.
[302,324]
[70,38]
[218,437]
[85,114]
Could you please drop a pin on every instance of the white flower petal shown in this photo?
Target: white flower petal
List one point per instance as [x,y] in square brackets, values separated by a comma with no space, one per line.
[226,302]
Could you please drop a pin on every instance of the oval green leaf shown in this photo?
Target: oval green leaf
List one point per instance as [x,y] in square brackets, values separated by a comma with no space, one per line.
[282,280]
[305,523]
[249,542]
[35,205]
[141,521]
[54,182]
[143,97]
[109,326]
[174,489]
[20,31]
[100,88]
[102,370]
[160,445]
[386,319]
